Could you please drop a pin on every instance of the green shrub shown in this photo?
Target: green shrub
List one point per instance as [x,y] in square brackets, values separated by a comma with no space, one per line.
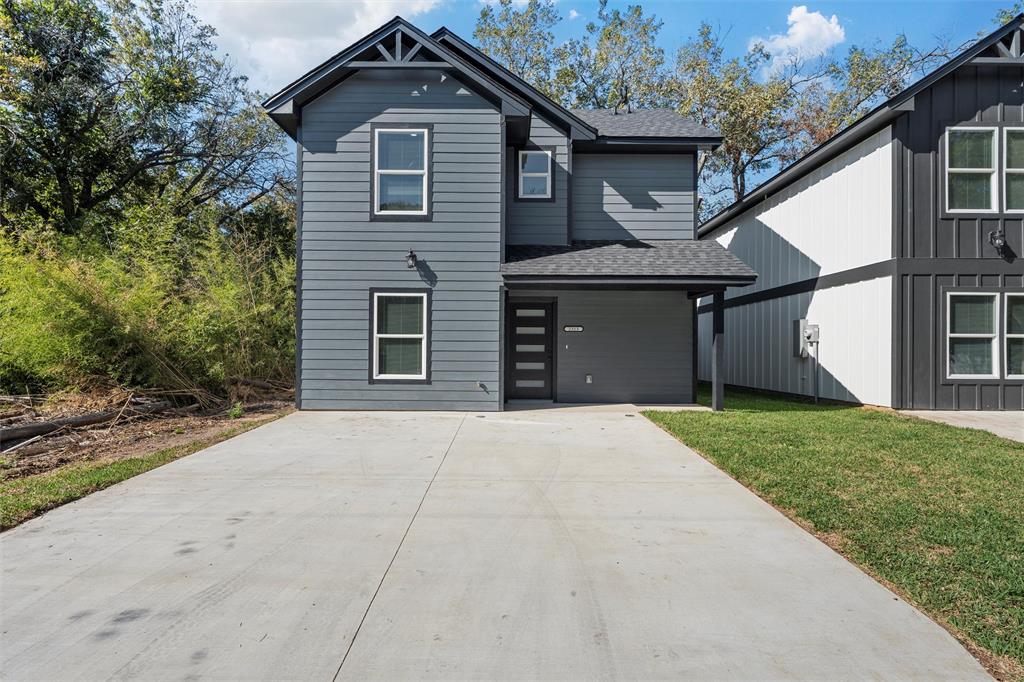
[153,311]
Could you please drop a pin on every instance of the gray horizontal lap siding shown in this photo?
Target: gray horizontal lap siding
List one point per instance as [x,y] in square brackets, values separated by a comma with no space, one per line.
[637,345]
[345,254]
[633,196]
[533,221]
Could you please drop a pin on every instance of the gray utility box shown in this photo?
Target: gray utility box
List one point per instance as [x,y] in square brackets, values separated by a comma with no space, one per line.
[805,335]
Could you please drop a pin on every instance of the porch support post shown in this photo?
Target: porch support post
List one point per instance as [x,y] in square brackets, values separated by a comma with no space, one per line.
[718,351]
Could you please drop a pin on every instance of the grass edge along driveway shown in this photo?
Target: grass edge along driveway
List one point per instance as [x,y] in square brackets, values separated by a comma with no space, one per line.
[933,511]
[25,498]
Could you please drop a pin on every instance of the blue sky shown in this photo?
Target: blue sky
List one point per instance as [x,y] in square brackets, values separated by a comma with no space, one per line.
[274,41]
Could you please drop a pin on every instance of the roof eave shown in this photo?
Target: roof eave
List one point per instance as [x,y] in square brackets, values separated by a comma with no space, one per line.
[702,280]
[626,143]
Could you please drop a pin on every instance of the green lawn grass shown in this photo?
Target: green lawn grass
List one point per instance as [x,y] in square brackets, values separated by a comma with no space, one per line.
[23,498]
[936,511]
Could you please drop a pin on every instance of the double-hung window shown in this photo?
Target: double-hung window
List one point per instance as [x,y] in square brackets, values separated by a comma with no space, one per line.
[1013,169]
[534,174]
[1015,336]
[401,160]
[971,169]
[972,335]
[400,335]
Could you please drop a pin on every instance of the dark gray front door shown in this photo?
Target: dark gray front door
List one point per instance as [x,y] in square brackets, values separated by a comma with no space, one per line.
[531,350]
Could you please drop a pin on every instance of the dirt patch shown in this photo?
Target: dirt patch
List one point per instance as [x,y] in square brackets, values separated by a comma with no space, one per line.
[127,435]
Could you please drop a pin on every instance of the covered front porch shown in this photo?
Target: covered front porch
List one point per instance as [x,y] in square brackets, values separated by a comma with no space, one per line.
[612,322]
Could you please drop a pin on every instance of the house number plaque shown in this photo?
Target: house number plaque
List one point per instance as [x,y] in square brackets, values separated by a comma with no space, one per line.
[573,328]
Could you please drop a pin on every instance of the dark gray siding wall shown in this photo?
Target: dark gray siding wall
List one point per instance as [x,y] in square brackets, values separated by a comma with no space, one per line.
[637,345]
[344,254]
[937,251]
[537,221]
[633,196]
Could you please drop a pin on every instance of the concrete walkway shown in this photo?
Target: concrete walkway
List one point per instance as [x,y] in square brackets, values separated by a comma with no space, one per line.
[1008,424]
[546,544]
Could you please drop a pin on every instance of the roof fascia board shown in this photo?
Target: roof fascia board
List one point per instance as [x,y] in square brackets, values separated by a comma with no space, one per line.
[855,132]
[578,128]
[597,280]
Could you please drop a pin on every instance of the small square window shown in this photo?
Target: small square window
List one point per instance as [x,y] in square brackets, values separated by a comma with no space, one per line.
[534,174]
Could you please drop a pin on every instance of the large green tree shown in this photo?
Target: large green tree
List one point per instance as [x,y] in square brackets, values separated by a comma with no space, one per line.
[616,64]
[108,103]
[847,88]
[520,39]
[732,97]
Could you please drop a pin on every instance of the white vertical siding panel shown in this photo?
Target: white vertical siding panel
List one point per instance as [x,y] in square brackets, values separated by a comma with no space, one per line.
[836,218]
[856,325]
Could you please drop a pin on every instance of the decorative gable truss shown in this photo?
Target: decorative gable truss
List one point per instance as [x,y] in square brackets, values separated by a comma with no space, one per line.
[398,50]
[396,45]
[1004,50]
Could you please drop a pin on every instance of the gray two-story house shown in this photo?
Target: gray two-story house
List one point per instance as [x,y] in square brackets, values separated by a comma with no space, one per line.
[464,241]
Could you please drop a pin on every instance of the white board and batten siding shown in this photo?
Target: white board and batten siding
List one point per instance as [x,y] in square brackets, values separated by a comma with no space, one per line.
[836,218]
[344,254]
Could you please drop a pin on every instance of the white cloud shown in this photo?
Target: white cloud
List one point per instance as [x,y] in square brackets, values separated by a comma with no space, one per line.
[809,35]
[573,14]
[276,41]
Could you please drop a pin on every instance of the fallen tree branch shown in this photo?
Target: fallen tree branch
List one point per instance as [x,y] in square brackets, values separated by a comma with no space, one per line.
[44,427]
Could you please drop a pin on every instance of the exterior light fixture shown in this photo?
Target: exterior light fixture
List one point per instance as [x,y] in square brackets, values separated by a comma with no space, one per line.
[410,259]
[997,238]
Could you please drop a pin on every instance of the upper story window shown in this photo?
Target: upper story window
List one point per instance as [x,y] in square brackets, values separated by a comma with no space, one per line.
[1014,169]
[535,174]
[971,169]
[400,171]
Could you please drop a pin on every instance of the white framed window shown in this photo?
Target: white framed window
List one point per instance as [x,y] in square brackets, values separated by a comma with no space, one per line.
[971,161]
[1014,352]
[1013,170]
[400,335]
[400,170]
[972,335]
[534,174]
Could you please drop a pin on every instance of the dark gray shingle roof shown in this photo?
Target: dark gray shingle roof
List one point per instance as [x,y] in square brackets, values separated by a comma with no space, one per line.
[662,258]
[643,123]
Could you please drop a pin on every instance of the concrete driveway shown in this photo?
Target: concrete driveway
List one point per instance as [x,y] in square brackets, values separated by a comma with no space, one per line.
[544,544]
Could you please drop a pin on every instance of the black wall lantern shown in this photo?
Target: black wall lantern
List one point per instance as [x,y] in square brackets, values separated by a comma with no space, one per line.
[997,238]
[410,259]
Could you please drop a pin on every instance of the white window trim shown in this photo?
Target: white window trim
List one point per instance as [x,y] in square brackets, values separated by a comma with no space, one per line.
[993,172]
[994,336]
[546,175]
[1007,336]
[377,171]
[377,336]
[1007,170]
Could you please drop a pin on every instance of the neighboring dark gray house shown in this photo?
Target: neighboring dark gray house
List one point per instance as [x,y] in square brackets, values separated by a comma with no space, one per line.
[463,240]
[901,238]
